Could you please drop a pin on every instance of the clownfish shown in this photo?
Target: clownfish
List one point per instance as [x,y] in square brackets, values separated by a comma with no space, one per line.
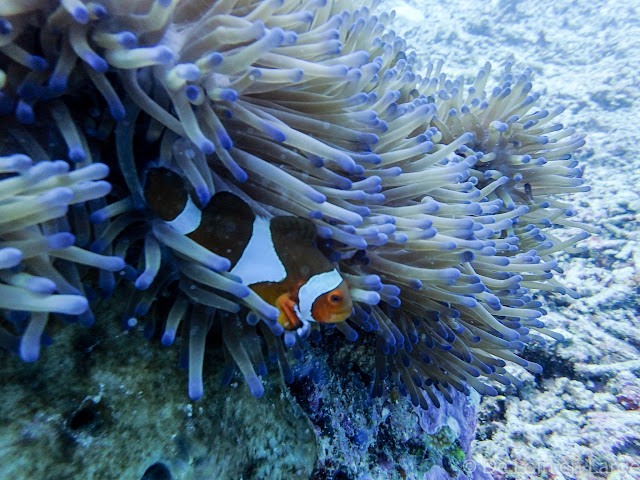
[275,257]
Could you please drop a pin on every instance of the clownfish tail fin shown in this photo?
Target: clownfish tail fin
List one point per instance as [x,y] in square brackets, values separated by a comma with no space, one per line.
[165,192]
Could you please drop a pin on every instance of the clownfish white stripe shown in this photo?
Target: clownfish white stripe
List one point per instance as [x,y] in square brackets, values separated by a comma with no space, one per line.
[188,220]
[260,251]
[317,285]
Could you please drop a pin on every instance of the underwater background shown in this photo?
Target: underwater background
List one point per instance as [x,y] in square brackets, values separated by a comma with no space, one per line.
[102,403]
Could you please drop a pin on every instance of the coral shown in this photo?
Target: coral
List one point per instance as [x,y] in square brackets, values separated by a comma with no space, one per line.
[108,415]
[364,438]
[434,203]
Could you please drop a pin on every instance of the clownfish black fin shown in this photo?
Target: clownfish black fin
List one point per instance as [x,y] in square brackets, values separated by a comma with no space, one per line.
[165,192]
[226,226]
[294,229]
[227,204]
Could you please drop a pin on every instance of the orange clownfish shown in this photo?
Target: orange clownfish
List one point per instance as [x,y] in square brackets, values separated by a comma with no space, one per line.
[277,258]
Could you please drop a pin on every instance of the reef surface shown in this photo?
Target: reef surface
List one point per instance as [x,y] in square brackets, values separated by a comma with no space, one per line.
[580,418]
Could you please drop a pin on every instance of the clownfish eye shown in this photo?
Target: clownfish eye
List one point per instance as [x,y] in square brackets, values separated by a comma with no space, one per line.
[335,297]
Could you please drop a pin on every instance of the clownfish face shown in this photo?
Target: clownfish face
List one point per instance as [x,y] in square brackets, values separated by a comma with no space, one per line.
[334,306]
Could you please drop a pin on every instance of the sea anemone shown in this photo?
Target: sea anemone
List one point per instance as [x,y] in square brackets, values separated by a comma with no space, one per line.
[433,201]
[38,258]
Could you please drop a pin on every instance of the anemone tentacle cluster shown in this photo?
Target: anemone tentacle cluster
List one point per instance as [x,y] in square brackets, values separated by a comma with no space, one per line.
[432,197]
[34,234]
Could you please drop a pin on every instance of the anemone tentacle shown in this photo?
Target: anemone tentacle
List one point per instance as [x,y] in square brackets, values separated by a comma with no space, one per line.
[432,198]
[35,239]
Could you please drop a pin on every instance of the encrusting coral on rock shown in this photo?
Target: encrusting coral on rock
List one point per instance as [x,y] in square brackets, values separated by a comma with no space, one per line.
[435,200]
